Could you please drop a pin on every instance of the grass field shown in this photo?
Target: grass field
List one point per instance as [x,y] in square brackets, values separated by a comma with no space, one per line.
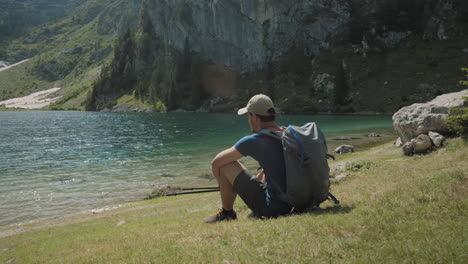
[396,209]
[18,81]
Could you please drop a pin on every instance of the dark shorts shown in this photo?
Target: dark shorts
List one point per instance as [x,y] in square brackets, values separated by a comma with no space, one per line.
[253,193]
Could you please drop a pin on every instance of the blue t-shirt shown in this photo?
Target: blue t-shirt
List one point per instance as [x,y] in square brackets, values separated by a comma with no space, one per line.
[268,152]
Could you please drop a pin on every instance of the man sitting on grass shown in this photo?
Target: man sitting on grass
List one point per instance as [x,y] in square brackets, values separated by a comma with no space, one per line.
[261,193]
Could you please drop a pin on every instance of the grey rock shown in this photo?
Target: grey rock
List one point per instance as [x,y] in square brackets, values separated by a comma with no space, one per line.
[422,143]
[204,110]
[344,149]
[398,142]
[342,138]
[339,177]
[416,119]
[125,108]
[73,51]
[392,39]
[408,147]
[442,24]
[339,168]
[216,101]
[373,135]
[122,108]
[324,83]
[179,110]
[436,138]
[4,64]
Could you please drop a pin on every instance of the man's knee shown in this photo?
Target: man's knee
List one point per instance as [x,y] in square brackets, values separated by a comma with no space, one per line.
[231,170]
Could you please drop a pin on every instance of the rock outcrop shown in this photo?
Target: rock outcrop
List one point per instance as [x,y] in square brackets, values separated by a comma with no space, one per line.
[342,149]
[423,143]
[3,64]
[414,120]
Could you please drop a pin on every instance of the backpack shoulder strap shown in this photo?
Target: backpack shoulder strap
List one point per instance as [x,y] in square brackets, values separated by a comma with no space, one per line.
[278,135]
[271,133]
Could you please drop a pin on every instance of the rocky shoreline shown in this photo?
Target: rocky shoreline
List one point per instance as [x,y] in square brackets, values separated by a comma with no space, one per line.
[132,108]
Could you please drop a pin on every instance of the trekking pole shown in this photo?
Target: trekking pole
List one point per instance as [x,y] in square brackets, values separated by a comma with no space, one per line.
[192,192]
[333,198]
[200,188]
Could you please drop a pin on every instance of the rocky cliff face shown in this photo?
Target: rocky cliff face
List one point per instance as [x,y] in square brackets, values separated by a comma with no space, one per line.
[322,55]
[247,34]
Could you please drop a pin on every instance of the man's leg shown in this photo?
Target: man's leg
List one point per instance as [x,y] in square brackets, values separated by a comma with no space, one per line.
[228,174]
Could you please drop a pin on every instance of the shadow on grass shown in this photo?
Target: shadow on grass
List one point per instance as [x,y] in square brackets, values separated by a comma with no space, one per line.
[337,209]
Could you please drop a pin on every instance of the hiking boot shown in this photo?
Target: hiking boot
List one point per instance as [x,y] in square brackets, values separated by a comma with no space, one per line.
[252,216]
[221,215]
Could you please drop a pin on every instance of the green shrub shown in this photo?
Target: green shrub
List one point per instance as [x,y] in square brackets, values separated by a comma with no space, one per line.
[160,106]
[358,165]
[464,82]
[457,122]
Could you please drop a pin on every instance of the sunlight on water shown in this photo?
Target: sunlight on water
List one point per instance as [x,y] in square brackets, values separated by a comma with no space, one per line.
[57,163]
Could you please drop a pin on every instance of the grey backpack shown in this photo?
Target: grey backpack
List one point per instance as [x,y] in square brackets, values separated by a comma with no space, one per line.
[307,171]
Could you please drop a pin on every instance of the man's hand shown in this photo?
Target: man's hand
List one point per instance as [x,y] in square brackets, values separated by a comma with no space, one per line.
[261,175]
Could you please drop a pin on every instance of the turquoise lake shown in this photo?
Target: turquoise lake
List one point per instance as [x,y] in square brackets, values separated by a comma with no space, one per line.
[59,163]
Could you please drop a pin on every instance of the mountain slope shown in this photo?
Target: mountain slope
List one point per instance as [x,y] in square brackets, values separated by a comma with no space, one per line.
[17,17]
[67,53]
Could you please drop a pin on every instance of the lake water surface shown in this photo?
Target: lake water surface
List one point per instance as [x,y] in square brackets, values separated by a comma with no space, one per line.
[58,163]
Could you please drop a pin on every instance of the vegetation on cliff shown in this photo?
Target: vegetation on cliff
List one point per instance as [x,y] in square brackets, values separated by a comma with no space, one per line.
[151,70]
[457,121]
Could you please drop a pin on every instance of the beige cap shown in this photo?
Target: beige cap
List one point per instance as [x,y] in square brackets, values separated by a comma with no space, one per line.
[259,104]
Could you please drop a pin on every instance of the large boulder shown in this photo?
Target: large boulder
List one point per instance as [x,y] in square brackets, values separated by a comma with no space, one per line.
[411,121]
